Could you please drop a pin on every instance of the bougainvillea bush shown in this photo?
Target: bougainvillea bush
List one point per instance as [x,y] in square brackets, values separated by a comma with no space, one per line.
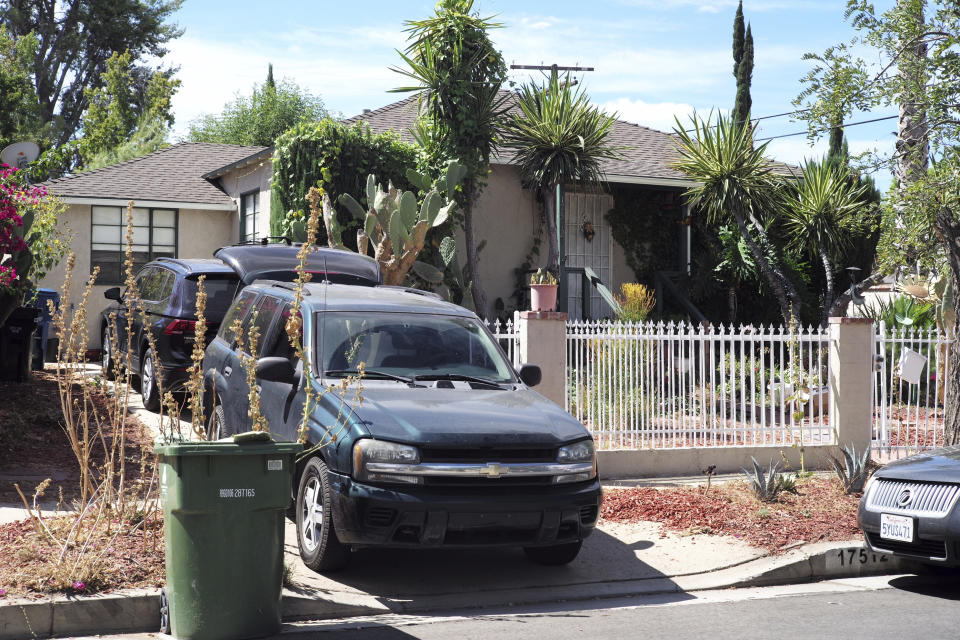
[31,241]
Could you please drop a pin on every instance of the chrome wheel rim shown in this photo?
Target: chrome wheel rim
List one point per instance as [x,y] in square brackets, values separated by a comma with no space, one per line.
[106,351]
[147,376]
[311,515]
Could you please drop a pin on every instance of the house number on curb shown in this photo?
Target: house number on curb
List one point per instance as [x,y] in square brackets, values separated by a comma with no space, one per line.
[852,556]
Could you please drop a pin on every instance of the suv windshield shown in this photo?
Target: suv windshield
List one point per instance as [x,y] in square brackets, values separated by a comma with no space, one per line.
[409,345]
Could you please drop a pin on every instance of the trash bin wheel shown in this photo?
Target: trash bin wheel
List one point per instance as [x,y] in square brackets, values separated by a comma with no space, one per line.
[164,612]
[319,547]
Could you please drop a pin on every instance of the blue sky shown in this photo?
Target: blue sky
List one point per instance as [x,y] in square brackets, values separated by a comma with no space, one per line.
[653,58]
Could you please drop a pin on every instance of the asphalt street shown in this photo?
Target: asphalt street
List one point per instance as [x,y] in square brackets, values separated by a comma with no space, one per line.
[878,607]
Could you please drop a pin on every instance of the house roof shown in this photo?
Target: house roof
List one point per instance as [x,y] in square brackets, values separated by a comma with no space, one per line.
[647,153]
[173,174]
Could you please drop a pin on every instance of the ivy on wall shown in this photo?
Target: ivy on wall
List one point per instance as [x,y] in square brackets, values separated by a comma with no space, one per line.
[646,223]
[338,158]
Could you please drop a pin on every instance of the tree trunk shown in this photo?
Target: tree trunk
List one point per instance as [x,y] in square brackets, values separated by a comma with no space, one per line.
[772,274]
[473,257]
[732,302]
[913,148]
[550,211]
[948,228]
[828,297]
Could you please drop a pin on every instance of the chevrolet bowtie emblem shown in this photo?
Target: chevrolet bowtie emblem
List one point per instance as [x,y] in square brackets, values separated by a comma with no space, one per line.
[493,470]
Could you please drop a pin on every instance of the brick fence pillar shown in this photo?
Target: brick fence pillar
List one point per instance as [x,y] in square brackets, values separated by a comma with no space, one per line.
[543,342]
[851,382]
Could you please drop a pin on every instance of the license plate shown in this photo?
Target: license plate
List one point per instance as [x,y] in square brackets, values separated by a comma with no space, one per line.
[896,527]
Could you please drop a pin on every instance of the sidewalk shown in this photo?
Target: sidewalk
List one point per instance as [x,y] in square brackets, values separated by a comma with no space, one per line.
[618,560]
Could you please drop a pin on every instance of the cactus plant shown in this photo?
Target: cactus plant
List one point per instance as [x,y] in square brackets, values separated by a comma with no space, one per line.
[767,486]
[542,276]
[455,274]
[392,222]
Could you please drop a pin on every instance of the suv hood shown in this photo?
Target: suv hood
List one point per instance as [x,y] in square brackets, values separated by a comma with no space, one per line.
[466,417]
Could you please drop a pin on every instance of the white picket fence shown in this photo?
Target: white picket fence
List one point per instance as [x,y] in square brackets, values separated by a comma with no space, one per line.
[658,385]
[678,385]
[909,417]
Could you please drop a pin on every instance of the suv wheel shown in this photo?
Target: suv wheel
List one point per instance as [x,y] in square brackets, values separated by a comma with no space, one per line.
[107,352]
[554,555]
[319,547]
[215,423]
[148,381]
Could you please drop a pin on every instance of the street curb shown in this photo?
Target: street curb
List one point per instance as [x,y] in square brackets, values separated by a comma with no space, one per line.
[138,610]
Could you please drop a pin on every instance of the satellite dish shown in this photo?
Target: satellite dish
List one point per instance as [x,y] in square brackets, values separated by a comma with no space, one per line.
[20,154]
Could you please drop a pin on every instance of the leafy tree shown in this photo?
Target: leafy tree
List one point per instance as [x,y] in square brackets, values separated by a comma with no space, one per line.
[19,108]
[73,41]
[559,138]
[736,182]
[915,43]
[258,120]
[458,74]
[821,218]
[117,117]
[742,66]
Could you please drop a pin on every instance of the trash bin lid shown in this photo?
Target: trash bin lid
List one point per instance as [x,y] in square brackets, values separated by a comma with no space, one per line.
[249,443]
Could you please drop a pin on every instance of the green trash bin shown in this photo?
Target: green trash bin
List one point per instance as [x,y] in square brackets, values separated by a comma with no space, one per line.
[224,503]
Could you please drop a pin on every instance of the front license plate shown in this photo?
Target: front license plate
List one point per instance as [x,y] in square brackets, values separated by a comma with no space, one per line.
[896,527]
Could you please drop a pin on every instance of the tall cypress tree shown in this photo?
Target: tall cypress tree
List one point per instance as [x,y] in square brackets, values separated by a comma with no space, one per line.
[738,36]
[741,108]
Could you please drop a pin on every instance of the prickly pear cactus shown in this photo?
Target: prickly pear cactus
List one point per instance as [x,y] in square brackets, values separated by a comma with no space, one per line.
[393,223]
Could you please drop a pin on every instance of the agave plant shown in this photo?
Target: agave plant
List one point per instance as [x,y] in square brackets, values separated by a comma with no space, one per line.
[768,485]
[854,469]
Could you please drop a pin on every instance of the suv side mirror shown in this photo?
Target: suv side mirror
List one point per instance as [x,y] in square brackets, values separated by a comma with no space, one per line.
[530,374]
[113,293]
[276,369]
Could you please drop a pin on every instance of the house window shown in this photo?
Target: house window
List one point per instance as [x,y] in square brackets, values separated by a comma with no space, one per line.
[154,235]
[249,209]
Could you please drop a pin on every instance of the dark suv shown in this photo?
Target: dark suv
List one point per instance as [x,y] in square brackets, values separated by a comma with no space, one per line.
[168,288]
[168,291]
[446,445]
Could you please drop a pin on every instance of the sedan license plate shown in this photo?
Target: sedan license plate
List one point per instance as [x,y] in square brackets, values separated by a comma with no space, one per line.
[896,527]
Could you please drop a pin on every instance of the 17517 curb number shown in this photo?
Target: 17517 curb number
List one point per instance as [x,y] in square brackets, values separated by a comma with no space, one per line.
[855,556]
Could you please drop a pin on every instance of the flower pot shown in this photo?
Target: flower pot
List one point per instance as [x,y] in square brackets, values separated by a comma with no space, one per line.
[543,297]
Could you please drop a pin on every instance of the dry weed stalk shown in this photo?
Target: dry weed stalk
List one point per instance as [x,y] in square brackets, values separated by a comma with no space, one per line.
[195,380]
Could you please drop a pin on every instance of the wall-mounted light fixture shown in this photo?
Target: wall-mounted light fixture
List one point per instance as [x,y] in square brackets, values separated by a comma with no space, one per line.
[588,231]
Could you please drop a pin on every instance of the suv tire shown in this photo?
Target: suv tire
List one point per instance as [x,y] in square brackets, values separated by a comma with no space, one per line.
[215,423]
[148,381]
[319,547]
[554,555]
[107,356]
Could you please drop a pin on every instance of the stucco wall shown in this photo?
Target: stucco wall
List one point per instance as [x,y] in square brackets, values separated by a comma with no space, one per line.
[243,180]
[199,234]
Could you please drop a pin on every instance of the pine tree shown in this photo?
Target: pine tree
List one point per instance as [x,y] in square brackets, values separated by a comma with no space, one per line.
[270,83]
[741,108]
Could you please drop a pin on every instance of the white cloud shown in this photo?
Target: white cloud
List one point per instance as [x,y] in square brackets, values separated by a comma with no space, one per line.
[655,115]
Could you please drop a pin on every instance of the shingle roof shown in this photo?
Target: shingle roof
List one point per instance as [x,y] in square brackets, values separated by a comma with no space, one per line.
[173,174]
[647,153]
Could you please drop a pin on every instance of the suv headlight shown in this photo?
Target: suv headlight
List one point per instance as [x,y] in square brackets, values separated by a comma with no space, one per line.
[579,453]
[381,461]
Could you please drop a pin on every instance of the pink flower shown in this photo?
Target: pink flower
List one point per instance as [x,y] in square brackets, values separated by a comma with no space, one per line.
[3,592]
[79,586]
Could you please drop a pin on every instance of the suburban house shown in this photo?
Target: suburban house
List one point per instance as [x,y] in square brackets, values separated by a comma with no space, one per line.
[189,200]
[192,198]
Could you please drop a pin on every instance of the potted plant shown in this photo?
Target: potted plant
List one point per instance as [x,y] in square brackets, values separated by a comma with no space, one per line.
[543,291]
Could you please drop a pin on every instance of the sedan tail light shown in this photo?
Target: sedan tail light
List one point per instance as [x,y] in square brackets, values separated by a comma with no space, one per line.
[179,327]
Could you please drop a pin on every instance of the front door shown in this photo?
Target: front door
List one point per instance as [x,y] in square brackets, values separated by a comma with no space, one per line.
[587,243]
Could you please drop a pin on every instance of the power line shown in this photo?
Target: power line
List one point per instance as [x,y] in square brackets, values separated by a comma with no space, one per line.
[842,126]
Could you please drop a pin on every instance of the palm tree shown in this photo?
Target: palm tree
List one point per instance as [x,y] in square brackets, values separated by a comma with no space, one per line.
[558,138]
[820,217]
[735,181]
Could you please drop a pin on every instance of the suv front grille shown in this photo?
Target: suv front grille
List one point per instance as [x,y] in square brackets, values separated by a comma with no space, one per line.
[922,498]
[487,455]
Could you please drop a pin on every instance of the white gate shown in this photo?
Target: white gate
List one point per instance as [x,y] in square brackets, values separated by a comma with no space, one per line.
[588,243]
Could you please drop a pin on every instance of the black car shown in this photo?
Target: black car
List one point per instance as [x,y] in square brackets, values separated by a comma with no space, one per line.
[168,288]
[909,508]
[446,446]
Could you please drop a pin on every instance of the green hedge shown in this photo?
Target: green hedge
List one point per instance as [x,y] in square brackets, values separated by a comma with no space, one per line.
[337,157]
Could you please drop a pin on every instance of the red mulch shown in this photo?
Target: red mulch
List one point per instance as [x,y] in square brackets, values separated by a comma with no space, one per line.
[818,511]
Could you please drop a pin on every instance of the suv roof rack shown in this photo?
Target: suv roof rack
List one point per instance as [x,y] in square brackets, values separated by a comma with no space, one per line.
[265,240]
[289,286]
[419,292]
